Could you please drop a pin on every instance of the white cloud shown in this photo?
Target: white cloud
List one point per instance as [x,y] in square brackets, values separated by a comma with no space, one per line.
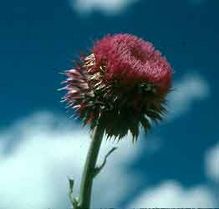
[212,163]
[106,6]
[187,93]
[171,194]
[34,174]
[110,7]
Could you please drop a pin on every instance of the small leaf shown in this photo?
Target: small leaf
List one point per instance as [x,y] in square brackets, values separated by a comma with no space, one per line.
[71,185]
[99,168]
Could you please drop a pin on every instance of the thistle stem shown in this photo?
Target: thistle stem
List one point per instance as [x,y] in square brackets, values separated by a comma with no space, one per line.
[89,169]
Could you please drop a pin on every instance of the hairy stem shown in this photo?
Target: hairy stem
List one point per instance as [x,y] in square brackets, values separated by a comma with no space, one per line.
[89,169]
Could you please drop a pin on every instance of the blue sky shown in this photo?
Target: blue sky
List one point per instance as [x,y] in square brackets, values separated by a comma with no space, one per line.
[175,165]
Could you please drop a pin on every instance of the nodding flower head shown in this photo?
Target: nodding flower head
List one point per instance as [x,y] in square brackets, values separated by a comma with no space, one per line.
[120,85]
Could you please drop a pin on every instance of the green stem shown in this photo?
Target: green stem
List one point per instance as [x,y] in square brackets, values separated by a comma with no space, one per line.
[89,169]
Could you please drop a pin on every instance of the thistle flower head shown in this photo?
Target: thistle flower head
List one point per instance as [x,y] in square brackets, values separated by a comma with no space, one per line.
[120,85]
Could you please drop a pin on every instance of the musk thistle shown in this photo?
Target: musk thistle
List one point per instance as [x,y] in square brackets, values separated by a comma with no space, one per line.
[118,87]
[121,84]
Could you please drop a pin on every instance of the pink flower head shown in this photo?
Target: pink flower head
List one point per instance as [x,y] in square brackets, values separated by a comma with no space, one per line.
[132,60]
[122,84]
